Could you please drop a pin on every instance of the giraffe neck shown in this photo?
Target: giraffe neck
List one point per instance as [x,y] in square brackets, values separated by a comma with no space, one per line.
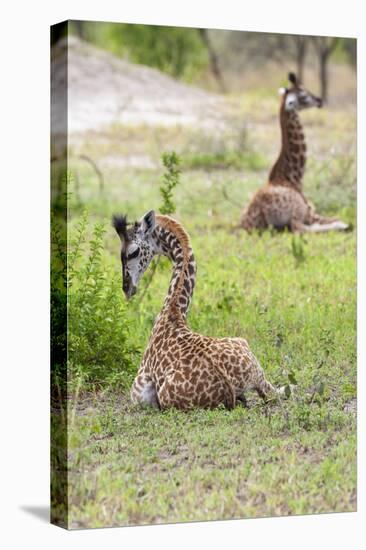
[290,165]
[172,241]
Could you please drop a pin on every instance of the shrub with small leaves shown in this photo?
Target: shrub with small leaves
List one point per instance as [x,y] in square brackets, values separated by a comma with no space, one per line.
[99,349]
[58,301]
[171,162]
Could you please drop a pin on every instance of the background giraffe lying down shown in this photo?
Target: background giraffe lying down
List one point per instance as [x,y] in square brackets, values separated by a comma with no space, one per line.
[181,368]
[281,203]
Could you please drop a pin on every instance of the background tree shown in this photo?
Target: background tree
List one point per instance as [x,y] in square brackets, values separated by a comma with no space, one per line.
[80,29]
[301,46]
[349,46]
[324,47]
[177,51]
[59,31]
[214,61]
[229,56]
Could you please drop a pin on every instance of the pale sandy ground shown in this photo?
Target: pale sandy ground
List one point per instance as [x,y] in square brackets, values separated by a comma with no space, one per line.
[103,89]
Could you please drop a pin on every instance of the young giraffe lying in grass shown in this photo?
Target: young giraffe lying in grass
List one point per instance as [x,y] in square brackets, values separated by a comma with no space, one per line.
[181,368]
[281,203]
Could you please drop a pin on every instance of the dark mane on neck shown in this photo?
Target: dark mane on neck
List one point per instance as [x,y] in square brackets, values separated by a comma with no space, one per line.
[176,228]
[182,282]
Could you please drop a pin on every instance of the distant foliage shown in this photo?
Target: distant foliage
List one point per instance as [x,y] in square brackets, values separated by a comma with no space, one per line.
[193,54]
[229,148]
[177,51]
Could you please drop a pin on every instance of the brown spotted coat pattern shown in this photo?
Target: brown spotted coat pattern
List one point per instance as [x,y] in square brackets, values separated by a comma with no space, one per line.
[181,368]
[281,202]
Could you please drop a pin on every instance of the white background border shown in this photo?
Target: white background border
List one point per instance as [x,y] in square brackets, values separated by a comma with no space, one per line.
[24,357]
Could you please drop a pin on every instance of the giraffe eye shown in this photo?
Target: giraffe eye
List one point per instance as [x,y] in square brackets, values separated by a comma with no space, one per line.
[133,254]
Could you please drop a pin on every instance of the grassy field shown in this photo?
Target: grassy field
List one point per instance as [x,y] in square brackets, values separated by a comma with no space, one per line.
[292,298]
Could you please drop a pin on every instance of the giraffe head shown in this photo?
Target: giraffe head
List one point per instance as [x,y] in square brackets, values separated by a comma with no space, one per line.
[138,249]
[297,97]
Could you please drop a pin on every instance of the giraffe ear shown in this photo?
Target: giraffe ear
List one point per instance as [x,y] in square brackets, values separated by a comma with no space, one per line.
[282,91]
[292,78]
[120,225]
[148,222]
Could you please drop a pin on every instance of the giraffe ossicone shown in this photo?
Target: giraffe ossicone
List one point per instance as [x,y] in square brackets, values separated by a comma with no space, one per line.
[181,368]
[281,202]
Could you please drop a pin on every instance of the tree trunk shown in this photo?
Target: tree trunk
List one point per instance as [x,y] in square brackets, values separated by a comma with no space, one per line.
[58,31]
[323,76]
[80,29]
[214,62]
[301,49]
[324,46]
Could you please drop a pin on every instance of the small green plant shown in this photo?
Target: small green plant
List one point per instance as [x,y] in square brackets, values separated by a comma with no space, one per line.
[290,383]
[227,296]
[298,249]
[327,341]
[170,181]
[171,162]
[318,389]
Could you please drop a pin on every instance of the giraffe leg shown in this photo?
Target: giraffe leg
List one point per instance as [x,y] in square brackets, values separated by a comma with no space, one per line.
[330,223]
[317,218]
[143,391]
[297,227]
[262,386]
[265,389]
[324,227]
[317,227]
[242,400]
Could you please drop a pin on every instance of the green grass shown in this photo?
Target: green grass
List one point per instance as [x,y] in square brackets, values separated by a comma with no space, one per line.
[293,299]
[224,159]
[131,466]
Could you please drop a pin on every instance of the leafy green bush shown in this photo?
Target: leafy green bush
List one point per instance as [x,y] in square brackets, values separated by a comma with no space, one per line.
[100,353]
[58,301]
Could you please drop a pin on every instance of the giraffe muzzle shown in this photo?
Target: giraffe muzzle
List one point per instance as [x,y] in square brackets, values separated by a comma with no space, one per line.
[129,291]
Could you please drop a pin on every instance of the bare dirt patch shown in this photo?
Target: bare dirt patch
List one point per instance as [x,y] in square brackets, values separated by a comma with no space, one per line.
[104,89]
[351,407]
